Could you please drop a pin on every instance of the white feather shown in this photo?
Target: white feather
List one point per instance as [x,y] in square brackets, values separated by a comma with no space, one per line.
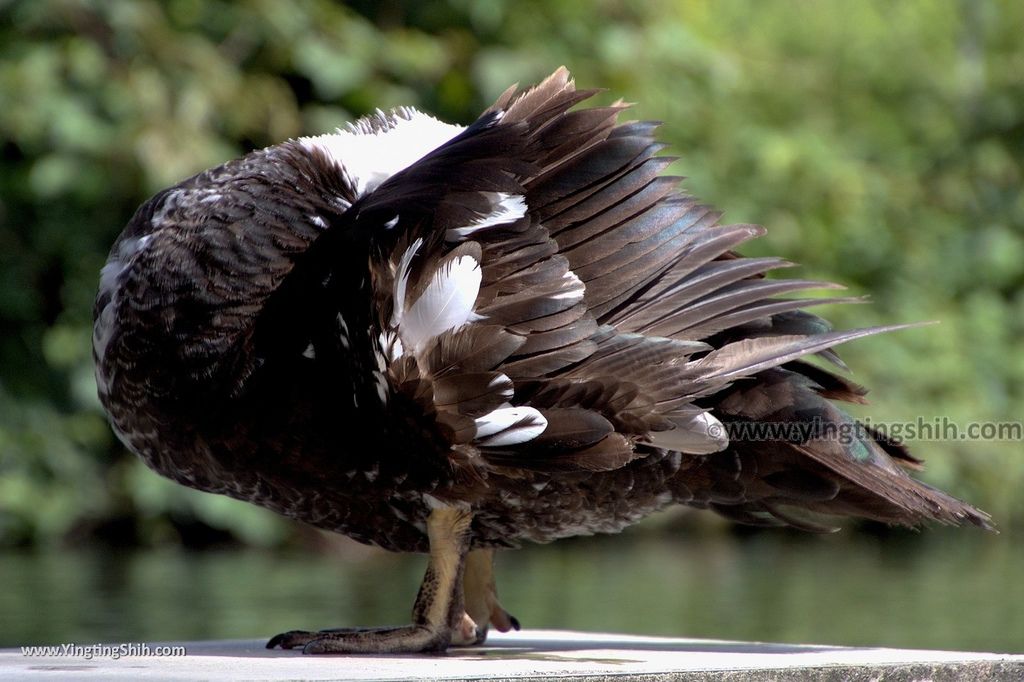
[494,429]
[507,208]
[700,434]
[446,304]
[390,348]
[370,157]
[402,282]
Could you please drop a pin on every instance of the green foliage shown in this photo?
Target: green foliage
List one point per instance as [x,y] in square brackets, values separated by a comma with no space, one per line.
[880,143]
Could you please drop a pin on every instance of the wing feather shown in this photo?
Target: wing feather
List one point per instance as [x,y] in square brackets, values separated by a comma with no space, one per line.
[564,308]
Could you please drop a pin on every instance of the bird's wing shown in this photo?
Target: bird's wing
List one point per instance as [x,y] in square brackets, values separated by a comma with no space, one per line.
[548,296]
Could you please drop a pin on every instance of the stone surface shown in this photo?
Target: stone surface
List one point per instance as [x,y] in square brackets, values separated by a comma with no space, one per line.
[551,654]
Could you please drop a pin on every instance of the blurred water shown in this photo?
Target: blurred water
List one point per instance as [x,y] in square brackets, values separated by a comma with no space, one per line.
[943,589]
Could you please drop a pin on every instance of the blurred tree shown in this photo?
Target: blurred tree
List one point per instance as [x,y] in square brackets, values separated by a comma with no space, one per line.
[880,143]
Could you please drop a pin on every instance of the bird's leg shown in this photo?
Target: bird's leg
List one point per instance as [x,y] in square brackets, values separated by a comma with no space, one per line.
[481,598]
[437,614]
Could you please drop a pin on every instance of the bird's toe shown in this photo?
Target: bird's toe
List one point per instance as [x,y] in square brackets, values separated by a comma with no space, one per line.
[292,639]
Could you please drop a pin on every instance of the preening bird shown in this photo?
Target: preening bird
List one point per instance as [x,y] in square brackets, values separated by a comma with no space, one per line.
[453,340]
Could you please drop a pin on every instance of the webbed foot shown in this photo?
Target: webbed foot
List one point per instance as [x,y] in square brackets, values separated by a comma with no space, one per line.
[439,618]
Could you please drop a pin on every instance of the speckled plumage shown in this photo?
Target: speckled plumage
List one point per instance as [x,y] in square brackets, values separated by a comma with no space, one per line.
[528,324]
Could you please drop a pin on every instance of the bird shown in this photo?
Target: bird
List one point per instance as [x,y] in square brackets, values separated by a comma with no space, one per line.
[454,340]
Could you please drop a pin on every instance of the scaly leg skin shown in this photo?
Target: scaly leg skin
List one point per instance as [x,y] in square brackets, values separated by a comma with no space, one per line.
[438,615]
[481,599]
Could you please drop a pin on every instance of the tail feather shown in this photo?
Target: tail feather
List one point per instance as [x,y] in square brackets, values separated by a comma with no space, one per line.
[791,448]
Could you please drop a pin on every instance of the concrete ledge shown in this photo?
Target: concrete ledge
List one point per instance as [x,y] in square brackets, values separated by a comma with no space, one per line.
[547,654]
